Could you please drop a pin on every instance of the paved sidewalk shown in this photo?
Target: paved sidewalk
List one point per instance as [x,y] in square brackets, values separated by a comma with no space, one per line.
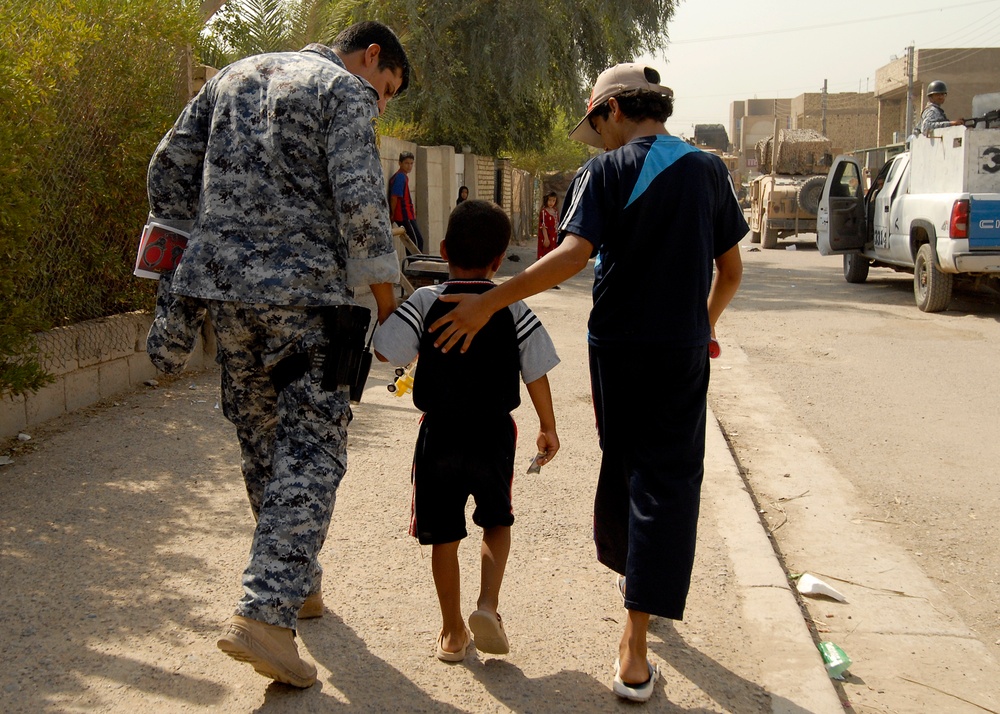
[125,527]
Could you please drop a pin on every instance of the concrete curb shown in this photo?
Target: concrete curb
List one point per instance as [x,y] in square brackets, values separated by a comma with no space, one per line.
[793,671]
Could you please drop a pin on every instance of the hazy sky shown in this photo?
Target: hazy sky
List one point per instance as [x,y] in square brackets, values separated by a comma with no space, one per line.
[725,50]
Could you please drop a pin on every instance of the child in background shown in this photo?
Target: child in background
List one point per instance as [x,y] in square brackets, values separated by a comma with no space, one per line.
[467,436]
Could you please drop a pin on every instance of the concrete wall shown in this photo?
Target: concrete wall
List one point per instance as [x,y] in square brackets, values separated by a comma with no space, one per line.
[435,171]
[966,71]
[389,149]
[91,361]
[851,118]
[480,176]
[756,128]
[737,110]
[756,123]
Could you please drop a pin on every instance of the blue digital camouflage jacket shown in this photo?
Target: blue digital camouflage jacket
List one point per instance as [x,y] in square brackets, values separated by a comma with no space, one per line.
[276,161]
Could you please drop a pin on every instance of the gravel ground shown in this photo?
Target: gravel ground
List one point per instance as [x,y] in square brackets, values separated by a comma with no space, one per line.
[125,529]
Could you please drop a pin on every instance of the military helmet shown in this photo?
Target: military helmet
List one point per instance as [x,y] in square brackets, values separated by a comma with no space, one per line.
[937,87]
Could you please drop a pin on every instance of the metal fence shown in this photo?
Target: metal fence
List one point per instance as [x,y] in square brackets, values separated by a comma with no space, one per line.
[87,89]
[102,88]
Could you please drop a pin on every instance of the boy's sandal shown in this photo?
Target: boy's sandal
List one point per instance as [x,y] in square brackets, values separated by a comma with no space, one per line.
[487,630]
[635,692]
[446,656]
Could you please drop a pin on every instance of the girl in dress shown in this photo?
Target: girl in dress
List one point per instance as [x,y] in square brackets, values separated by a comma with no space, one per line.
[548,217]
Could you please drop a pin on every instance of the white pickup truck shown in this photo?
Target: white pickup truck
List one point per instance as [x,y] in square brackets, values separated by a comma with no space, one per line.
[933,210]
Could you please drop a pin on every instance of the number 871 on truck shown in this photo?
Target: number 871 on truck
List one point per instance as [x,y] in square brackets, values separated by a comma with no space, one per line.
[933,211]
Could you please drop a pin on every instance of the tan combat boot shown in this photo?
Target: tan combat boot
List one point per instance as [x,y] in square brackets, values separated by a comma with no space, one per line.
[312,607]
[269,649]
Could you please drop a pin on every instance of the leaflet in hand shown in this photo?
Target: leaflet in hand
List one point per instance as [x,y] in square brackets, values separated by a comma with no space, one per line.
[160,250]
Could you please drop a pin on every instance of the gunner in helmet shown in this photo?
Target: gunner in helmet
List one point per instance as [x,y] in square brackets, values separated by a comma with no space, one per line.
[933,116]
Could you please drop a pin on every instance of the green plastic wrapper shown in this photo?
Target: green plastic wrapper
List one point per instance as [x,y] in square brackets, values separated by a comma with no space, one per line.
[835,659]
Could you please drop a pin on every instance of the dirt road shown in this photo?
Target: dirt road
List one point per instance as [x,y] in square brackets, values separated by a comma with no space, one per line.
[847,400]
[124,530]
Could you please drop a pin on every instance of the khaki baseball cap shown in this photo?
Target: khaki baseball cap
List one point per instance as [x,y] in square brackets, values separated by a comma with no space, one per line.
[611,82]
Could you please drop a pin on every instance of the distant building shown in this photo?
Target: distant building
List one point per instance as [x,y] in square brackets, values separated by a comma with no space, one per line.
[967,72]
[752,120]
[850,120]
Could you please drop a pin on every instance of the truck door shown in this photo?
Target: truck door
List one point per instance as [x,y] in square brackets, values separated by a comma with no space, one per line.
[840,220]
[887,231]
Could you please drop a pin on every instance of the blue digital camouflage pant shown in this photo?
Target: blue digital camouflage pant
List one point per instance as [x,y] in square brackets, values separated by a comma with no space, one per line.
[294,450]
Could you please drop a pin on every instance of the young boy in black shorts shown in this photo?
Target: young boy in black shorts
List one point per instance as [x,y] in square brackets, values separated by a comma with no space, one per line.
[467,435]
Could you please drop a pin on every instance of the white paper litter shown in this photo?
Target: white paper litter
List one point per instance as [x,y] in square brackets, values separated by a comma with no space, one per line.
[811,585]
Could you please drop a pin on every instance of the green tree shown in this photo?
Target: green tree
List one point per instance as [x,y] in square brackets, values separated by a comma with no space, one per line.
[558,152]
[87,88]
[248,27]
[493,75]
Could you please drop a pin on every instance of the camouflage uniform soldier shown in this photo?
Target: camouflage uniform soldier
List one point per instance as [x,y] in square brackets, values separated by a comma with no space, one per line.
[275,161]
[933,116]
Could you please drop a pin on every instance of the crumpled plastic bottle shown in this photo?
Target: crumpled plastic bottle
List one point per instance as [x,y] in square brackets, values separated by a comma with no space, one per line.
[835,659]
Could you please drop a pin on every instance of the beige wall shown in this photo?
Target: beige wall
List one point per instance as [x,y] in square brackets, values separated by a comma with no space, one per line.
[435,171]
[966,71]
[851,117]
[756,128]
[480,176]
[389,150]
[89,361]
[737,111]
[755,122]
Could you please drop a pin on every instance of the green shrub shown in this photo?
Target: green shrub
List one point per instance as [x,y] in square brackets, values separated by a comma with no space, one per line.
[87,89]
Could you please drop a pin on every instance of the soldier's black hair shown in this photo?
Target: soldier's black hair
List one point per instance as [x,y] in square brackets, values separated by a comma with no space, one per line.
[478,233]
[392,56]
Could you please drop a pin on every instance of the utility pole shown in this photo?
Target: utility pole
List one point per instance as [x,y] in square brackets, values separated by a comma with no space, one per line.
[824,107]
[909,90]
[774,141]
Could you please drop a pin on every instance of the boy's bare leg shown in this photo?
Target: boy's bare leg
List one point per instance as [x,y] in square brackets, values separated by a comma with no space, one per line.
[447,582]
[496,548]
[632,649]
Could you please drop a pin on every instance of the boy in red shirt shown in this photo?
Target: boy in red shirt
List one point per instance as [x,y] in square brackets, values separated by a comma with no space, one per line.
[400,204]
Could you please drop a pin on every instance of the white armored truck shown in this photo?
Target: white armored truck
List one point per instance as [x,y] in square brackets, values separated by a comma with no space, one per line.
[933,210]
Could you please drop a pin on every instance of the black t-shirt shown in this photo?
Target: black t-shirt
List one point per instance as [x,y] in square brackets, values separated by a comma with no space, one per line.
[511,347]
[658,211]
[443,379]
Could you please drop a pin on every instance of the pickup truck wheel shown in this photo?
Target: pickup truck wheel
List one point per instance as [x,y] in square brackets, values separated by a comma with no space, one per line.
[769,236]
[754,236]
[931,287]
[856,267]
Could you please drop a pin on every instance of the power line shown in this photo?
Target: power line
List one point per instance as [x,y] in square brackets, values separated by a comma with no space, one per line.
[825,25]
[974,27]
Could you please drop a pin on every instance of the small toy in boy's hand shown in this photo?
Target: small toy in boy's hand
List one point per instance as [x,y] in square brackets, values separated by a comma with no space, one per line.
[714,349]
[536,467]
[403,382]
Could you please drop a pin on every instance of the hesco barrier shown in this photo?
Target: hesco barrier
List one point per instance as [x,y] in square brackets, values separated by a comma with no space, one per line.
[91,361]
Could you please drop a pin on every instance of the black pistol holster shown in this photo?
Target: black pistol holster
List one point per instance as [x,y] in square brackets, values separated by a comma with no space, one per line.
[347,359]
